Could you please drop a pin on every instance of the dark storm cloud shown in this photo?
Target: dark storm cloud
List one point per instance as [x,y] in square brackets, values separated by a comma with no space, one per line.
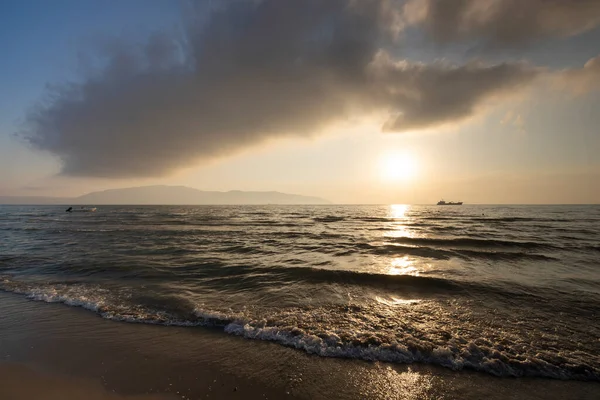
[503,23]
[247,72]
[428,95]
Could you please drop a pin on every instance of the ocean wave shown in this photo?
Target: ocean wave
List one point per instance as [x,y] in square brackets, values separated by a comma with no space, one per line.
[374,219]
[509,219]
[307,235]
[232,278]
[398,250]
[470,242]
[424,286]
[503,255]
[345,331]
[392,249]
[243,249]
[319,275]
[373,348]
[329,218]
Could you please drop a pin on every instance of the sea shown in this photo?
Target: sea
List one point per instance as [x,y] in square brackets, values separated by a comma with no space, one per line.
[511,291]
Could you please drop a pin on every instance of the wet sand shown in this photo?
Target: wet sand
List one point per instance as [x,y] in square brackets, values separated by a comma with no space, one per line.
[70,353]
[23,382]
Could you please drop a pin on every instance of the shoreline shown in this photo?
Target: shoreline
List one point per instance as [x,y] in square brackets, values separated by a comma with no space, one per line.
[60,346]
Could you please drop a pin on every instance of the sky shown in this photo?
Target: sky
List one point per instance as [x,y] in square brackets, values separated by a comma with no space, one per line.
[370,101]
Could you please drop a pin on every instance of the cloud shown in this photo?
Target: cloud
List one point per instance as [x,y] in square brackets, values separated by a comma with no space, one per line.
[245,72]
[581,80]
[429,95]
[502,23]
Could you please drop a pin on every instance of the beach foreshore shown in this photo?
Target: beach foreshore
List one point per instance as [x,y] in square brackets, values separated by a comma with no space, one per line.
[19,381]
[52,351]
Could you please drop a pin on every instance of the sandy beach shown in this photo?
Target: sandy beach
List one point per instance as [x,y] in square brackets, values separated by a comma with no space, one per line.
[55,352]
[18,381]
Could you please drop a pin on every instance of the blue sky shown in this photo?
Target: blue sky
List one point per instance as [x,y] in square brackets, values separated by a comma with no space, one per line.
[42,41]
[516,145]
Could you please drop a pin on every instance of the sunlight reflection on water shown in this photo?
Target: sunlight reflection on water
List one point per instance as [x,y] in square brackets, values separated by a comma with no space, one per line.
[399,227]
[398,211]
[403,266]
[394,301]
[386,383]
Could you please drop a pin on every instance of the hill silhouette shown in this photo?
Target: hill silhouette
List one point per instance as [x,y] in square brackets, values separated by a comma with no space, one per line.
[168,195]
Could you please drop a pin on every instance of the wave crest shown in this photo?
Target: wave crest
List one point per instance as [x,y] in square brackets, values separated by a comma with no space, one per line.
[389,334]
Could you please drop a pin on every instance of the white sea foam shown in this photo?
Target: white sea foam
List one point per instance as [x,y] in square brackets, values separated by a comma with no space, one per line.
[325,333]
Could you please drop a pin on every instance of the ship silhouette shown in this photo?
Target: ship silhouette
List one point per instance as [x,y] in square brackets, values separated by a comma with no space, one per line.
[449,203]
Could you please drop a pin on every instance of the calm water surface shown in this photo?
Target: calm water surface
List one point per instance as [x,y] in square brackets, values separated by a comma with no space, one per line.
[509,290]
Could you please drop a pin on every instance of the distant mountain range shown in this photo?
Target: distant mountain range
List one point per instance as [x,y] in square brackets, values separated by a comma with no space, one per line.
[167,195]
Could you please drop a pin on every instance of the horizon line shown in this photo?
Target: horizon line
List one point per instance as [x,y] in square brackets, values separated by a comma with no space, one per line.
[298,204]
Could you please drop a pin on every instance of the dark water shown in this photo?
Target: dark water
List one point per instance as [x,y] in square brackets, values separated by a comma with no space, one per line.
[509,290]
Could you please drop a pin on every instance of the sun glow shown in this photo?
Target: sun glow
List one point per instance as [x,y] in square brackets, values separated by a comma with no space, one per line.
[397,167]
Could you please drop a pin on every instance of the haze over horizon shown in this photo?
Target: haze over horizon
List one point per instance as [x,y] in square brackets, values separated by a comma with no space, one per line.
[377,101]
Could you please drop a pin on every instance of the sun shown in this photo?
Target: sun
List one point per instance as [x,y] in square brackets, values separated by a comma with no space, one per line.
[397,167]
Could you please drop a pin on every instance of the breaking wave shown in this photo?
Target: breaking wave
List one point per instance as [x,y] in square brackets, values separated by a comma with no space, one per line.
[347,331]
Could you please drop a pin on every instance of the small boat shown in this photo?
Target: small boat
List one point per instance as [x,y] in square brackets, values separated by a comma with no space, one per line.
[449,203]
[82,209]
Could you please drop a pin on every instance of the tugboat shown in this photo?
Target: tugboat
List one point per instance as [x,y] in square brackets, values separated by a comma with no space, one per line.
[449,203]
